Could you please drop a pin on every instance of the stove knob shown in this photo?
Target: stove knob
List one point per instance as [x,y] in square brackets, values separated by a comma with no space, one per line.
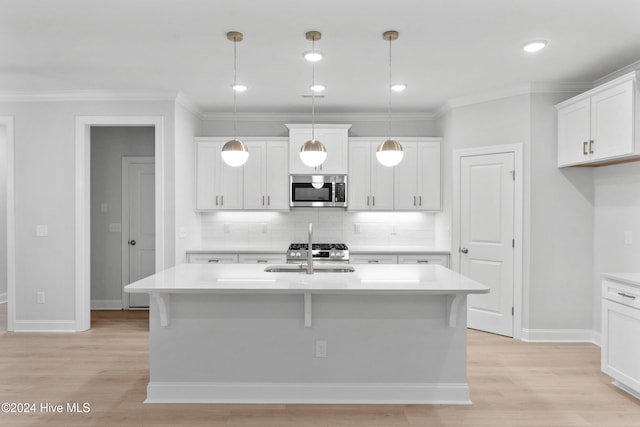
[297,253]
[341,254]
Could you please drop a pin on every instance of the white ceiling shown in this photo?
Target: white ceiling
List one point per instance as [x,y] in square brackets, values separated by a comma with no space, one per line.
[447,48]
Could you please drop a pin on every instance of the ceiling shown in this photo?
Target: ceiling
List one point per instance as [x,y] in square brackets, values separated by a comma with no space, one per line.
[447,49]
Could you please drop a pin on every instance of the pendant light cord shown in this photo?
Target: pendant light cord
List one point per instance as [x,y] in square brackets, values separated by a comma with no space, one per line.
[235,94]
[389,89]
[313,92]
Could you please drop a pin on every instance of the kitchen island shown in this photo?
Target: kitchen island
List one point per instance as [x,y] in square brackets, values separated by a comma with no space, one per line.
[237,334]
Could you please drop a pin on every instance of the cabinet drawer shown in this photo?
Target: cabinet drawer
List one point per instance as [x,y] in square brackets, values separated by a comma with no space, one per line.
[424,259]
[373,259]
[621,293]
[262,259]
[212,258]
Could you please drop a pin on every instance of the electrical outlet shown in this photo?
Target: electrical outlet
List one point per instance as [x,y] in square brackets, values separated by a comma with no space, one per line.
[321,349]
[40,297]
[628,238]
[42,230]
[356,228]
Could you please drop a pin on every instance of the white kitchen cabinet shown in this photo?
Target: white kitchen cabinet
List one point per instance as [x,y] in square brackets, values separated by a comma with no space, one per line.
[373,259]
[334,138]
[262,258]
[370,183]
[599,126]
[417,176]
[266,177]
[212,258]
[424,259]
[218,185]
[620,346]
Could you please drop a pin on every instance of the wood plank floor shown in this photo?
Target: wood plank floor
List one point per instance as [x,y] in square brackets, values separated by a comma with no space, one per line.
[512,384]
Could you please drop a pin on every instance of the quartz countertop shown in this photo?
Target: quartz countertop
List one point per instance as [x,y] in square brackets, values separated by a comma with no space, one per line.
[374,279]
[360,250]
[629,278]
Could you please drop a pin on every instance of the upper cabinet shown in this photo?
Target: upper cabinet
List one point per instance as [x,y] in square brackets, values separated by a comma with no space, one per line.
[334,138]
[218,185]
[261,183]
[370,183]
[417,177]
[266,177]
[599,126]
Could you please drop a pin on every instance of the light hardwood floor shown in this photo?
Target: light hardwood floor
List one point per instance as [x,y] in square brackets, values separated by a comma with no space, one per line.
[512,384]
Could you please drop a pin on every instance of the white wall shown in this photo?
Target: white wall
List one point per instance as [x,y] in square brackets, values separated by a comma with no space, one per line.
[187,226]
[45,195]
[108,146]
[617,210]
[3,214]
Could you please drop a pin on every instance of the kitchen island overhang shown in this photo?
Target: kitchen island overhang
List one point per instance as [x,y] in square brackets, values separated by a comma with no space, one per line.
[237,334]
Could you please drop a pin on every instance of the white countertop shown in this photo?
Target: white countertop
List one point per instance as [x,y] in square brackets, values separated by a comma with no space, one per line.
[414,279]
[629,278]
[282,249]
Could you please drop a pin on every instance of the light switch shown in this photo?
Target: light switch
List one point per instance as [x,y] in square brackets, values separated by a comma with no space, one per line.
[628,238]
[104,207]
[115,228]
[42,230]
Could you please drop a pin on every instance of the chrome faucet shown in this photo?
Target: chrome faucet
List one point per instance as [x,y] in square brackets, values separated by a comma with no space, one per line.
[310,250]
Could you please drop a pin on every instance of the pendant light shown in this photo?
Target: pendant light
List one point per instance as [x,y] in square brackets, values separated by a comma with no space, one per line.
[234,152]
[389,153]
[312,152]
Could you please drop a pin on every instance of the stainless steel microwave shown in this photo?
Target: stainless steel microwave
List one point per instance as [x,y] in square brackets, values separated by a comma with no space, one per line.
[318,191]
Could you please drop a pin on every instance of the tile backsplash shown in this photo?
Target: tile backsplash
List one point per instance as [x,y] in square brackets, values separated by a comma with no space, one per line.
[356,229]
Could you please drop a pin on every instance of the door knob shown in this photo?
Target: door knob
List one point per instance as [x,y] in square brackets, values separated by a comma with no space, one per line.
[464,250]
[132,242]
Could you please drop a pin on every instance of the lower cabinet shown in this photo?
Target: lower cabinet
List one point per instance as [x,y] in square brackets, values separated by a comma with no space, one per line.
[399,259]
[262,259]
[620,346]
[230,258]
[424,259]
[373,259]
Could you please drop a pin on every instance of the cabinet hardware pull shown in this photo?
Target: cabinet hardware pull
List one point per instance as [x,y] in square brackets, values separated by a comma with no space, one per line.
[414,200]
[420,202]
[262,200]
[268,200]
[373,261]
[591,142]
[221,200]
[584,148]
[368,200]
[423,261]
[216,200]
[213,260]
[262,261]
[373,200]
[622,294]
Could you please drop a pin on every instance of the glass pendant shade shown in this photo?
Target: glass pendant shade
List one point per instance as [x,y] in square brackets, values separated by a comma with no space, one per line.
[313,153]
[235,153]
[389,153]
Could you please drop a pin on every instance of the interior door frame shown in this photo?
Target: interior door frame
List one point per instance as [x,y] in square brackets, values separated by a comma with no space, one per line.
[7,122]
[126,161]
[83,202]
[518,220]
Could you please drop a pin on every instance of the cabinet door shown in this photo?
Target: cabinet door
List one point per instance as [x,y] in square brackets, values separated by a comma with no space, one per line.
[212,258]
[406,179]
[620,350]
[335,141]
[373,259]
[206,153]
[381,183]
[612,122]
[359,176]
[429,176]
[230,184]
[574,133]
[424,259]
[277,176]
[254,176]
[262,259]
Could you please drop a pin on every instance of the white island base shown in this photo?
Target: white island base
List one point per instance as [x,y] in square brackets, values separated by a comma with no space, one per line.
[307,339]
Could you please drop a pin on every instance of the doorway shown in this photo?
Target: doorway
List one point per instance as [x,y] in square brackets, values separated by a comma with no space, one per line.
[113,149]
[7,226]
[487,245]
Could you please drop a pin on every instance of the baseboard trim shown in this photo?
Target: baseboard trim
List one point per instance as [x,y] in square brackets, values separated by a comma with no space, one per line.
[44,326]
[308,393]
[106,304]
[3,298]
[560,335]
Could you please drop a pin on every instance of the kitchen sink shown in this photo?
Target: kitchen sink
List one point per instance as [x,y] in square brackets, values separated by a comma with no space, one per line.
[300,268]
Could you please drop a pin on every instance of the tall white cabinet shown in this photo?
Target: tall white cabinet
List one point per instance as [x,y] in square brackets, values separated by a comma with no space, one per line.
[600,125]
[218,185]
[370,183]
[266,177]
[334,138]
[417,177]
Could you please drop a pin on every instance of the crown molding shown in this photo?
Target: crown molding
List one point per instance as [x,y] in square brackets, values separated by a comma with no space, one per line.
[618,73]
[82,95]
[183,100]
[326,117]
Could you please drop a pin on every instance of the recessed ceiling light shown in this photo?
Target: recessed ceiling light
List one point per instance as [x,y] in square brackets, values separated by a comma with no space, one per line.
[534,46]
[239,87]
[317,87]
[398,87]
[313,55]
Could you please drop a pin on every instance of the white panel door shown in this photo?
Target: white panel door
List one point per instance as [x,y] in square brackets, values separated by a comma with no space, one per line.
[486,238]
[140,194]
